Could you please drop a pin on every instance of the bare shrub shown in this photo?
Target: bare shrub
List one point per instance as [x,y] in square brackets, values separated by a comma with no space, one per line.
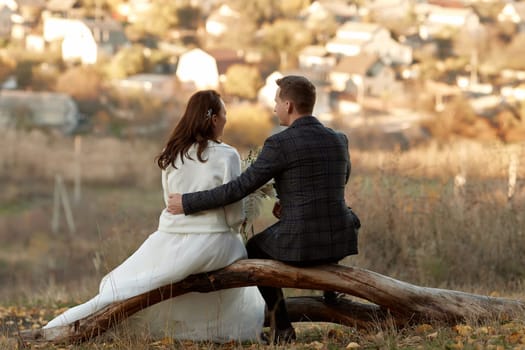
[102,159]
[416,229]
[84,84]
[248,125]
[416,225]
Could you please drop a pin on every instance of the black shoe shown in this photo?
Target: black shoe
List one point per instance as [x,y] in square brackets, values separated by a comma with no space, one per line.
[284,336]
[331,297]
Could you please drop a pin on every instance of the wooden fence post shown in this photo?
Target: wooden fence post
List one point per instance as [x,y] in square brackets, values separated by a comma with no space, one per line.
[60,197]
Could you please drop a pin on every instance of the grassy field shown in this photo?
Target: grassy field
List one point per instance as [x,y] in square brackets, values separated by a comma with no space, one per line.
[439,215]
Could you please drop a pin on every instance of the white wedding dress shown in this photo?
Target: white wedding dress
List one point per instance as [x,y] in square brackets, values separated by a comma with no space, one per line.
[182,246]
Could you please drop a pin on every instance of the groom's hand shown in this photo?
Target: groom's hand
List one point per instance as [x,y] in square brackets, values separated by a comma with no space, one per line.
[175,204]
[277,210]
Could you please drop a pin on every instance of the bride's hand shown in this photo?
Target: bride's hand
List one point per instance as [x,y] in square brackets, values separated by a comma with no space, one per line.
[175,204]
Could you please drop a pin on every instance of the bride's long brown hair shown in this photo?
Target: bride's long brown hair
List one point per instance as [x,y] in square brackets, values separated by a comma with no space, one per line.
[195,126]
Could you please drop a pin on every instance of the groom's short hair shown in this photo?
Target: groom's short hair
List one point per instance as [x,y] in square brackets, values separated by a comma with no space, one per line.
[299,90]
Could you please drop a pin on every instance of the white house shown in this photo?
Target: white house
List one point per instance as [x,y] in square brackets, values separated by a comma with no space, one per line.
[29,10]
[437,18]
[363,75]
[266,95]
[35,43]
[199,69]
[485,104]
[322,109]
[512,12]
[354,38]
[225,58]
[79,44]
[156,85]
[514,93]
[11,4]
[20,28]
[219,20]
[133,10]
[64,9]
[316,57]
[84,39]
[6,23]
[388,9]
[339,9]
[43,109]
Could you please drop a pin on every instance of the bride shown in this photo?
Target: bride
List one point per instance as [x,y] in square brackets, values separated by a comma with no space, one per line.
[193,160]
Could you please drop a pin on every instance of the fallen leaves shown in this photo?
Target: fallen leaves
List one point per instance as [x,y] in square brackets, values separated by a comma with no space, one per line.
[314,336]
[353,345]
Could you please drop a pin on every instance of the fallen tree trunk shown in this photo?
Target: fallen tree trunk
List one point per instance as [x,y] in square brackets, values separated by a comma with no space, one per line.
[399,301]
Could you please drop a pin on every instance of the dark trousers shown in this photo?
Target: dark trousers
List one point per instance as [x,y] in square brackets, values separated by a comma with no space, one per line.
[274,297]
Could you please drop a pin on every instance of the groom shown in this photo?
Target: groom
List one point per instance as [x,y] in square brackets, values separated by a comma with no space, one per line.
[311,165]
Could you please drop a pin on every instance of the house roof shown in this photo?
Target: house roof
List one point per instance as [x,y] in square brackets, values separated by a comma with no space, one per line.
[348,42]
[9,4]
[48,108]
[149,77]
[314,50]
[447,14]
[36,3]
[359,27]
[102,24]
[226,58]
[6,11]
[361,64]
[316,77]
[224,13]
[340,8]
[519,7]
[61,5]
[337,8]
[116,34]
[448,3]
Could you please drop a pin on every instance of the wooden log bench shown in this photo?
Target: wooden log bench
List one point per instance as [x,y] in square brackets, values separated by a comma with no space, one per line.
[384,299]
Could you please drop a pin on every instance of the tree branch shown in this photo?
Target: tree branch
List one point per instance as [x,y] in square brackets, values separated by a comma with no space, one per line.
[397,301]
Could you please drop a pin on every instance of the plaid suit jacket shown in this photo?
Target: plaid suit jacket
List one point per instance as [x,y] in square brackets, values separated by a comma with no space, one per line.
[311,165]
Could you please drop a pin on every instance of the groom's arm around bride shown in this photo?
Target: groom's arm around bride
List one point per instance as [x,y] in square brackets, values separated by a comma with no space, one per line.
[311,166]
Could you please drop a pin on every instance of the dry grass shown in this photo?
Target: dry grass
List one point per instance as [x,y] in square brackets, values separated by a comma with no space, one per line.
[416,227]
[491,334]
[422,228]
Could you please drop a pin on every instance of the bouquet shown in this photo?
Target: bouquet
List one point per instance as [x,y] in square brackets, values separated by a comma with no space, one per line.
[254,201]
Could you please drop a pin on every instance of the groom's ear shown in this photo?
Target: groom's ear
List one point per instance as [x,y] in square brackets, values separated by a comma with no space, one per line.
[290,106]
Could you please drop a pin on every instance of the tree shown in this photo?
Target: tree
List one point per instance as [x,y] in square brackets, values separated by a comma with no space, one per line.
[248,125]
[323,28]
[243,81]
[24,74]
[188,17]
[7,67]
[260,11]
[83,83]
[514,52]
[241,34]
[287,37]
[290,8]
[161,17]
[393,302]
[128,61]
[511,124]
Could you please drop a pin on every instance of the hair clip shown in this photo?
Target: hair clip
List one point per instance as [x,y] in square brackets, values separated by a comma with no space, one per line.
[208,113]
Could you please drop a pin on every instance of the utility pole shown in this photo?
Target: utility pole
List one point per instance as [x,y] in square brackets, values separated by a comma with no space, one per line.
[77,193]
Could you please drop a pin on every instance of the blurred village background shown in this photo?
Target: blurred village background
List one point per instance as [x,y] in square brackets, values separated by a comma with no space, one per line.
[431,94]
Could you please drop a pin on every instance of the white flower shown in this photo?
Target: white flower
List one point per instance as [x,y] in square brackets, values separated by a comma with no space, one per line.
[254,201]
